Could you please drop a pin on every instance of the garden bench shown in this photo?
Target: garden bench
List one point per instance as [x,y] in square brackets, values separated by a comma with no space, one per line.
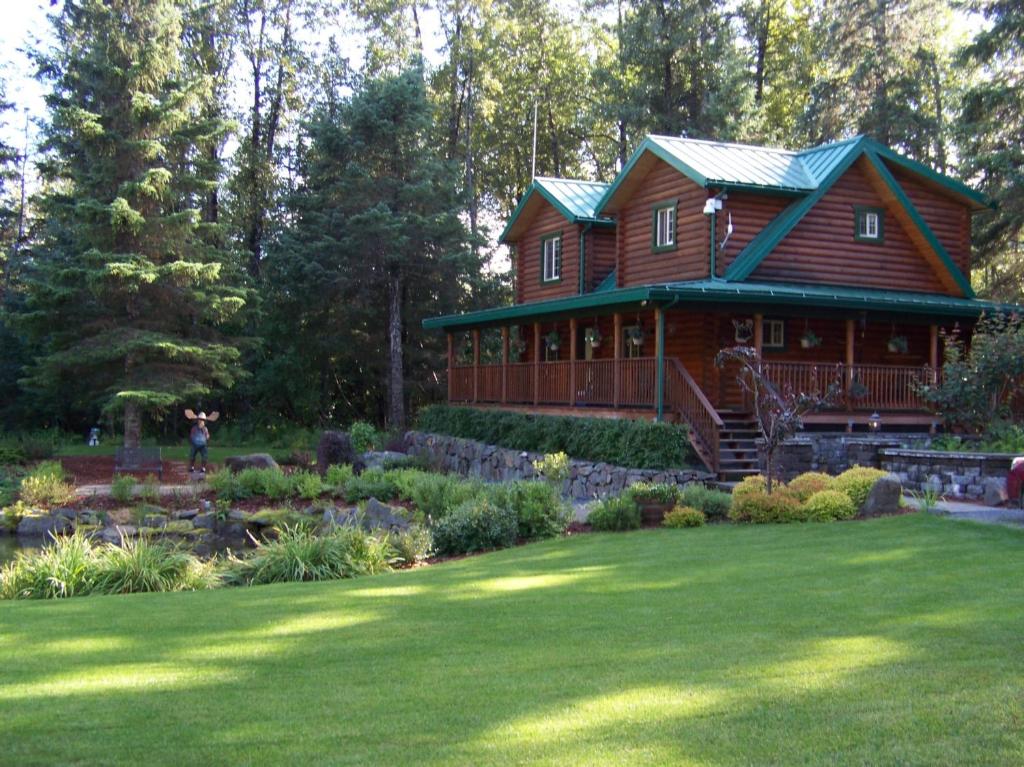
[147,459]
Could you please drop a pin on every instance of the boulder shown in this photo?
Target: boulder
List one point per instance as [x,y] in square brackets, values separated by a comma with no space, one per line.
[339,517]
[154,520]
[66,513]
[335,447]
[186,514]
[237,515]
[994,491]
[884,497]
[44,525]
[378,460]
[377,515]
[238,463]
[207,521]
[117,532]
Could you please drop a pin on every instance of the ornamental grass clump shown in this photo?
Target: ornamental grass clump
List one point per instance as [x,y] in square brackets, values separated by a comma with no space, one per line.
[46,486]
[299,554]
[616,514]
[140,565]
[857,483]
[828,506]
[714,503]
[61,569]
[411,545]
[807,484]
[684,516]
[121,488]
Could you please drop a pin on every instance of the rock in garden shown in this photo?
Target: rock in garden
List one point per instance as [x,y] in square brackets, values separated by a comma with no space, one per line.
[335,447]
[154,520]
[186,514]
[207,521]
[66,513]
[117,532]
[884,497]
[44,525]
[238,463]
[377,515]
[377,460]
[237,515]
[995,491]
[338,517]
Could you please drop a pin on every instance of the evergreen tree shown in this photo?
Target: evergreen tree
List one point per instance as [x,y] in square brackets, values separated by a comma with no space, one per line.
[127,295]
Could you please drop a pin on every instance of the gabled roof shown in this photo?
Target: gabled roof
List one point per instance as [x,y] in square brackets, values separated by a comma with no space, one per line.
[576,200]
[703,292]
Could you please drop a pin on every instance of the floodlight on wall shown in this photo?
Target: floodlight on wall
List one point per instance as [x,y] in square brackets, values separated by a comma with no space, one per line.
[711,205]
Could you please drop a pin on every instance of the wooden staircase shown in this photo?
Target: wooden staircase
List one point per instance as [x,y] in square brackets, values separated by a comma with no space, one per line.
[737,446]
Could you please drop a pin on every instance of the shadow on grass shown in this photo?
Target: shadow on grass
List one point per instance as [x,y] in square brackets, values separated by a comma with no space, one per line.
[881,642]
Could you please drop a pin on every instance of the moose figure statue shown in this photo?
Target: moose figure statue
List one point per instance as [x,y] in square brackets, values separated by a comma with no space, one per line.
[199,437]
[1015,481]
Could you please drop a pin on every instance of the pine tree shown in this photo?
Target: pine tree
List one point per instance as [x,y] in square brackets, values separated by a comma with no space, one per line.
[127,295]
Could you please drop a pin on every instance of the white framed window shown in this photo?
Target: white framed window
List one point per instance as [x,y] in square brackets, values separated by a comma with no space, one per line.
[774,334]
[868,224]
[664,225]
[551,258]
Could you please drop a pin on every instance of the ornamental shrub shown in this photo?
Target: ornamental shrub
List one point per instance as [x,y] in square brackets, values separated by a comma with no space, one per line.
[538,507]
[615,514]
[553,467]
[652,492]
[684,516]
[337,475]
[475,525]
[753,483]
[307,485]
[829,505]
[714,503]
[809,483]
[622,442]
[121,488]
[411,545]
[751,505]
[364,437]
[857,483]
[46,487]
[372,483]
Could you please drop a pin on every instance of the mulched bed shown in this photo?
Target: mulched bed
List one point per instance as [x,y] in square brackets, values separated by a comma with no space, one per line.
[99,470]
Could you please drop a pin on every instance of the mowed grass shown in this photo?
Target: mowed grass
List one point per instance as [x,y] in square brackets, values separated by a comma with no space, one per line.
[893,641]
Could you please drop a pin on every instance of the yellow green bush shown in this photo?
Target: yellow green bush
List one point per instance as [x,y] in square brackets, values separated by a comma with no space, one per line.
[809,483]
[684,516]
[829,505]
[857,483]
[753,505]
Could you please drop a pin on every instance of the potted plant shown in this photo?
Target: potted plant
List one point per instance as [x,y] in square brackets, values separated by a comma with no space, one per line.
[744,330]
[898,345]
[810,340]
[516,348]
[593,337]
[553,340]
[654,501]
[857,390]
[635,334]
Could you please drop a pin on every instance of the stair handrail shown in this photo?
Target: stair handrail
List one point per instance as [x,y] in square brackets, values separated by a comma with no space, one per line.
[699,414]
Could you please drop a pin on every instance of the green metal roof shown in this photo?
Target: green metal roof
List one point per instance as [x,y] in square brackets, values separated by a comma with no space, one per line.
[757,294]
[575,199]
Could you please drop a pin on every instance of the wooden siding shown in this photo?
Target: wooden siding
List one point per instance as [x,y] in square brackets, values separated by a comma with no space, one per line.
[750,214]
[600,255]
[949,219]
[528,258]
[638,265]
[822,249]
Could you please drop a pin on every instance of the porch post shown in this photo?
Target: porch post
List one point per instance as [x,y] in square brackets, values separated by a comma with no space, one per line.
[758,333]
[617,345]
[451,352]
[504,364]
[536,364]
[933,347]
[572,361]
[476,364]
[851,327]
[659,346]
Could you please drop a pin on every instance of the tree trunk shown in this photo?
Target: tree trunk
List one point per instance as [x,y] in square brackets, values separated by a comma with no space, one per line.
[132,424]
[763,26]
[396,372]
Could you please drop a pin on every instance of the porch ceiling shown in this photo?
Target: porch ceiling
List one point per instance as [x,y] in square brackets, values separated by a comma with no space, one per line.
[759,294]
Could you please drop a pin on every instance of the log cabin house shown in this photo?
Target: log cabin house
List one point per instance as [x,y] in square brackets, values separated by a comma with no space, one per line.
[842,262]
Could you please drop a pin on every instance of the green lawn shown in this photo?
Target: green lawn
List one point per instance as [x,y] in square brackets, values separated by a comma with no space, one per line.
[894,641]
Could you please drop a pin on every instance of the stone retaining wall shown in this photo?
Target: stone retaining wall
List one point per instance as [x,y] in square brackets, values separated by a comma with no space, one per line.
[835,452]
[587,479]
[970,475]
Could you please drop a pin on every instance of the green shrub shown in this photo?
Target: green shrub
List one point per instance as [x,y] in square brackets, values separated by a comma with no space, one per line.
[750,505]
[307,485]
[684,516]
[857,483]
[411,545]
[829,505]
[435,495]
[337,475]
[615,514]
[538,507]
[140,565]
[63,568]
[299,554]
[149,489]
[623,442]
[650,492]
[753,483]
[268,483]
[807,484]
[714,503]
[364,437]
[225,484]
[121,488]
[49,469]
[38,446]
[372,483]
[46,487]
[553,467]
[14,513]
[11,455]
[476,525]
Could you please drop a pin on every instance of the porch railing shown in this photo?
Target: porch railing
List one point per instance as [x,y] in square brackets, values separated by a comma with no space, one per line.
[861,387]
[684,396]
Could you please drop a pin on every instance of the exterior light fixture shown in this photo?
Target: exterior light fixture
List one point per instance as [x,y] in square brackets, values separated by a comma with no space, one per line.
[875,421]
[711,205]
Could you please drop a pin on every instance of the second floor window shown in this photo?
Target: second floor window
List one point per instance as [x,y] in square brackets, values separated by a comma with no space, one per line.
[868,226]
[551,256]
[664,225]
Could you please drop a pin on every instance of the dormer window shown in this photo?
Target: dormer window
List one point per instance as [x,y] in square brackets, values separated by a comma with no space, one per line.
[551,257]
[664,226]
[868,224]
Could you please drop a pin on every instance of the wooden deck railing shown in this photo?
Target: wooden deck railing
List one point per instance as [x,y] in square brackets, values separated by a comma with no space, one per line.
[489,383]
[684,396]
[462,383]
[520,383]
[805,377]
[861,387]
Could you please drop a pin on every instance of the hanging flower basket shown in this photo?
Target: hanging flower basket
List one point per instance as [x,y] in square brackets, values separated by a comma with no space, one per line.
[635,334]
[810,340]
[552,340]
[898,345]
[592,337]
[744,330]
